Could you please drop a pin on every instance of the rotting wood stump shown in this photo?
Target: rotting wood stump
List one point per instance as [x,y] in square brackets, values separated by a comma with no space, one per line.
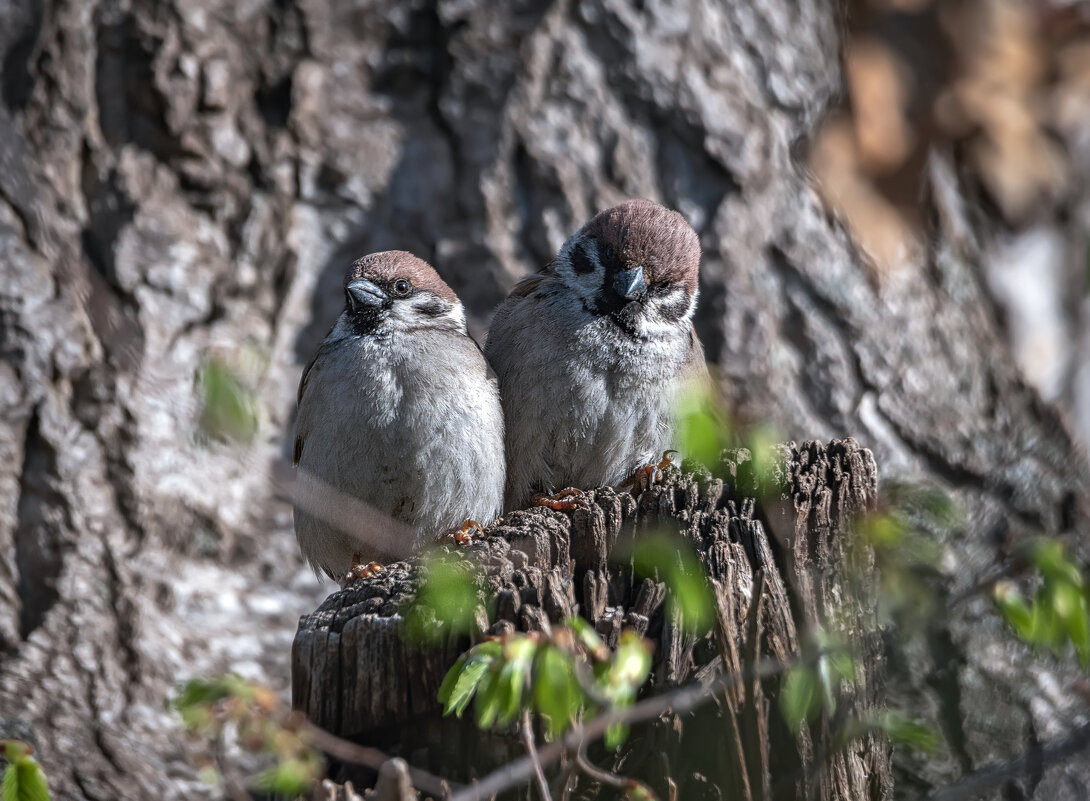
[355,674]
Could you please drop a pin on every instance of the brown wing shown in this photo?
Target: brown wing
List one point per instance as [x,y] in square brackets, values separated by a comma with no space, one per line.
[527,285]
[297,447]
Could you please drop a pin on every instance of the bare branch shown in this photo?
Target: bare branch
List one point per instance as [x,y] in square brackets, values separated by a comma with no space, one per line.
[1038,759]
[531,751]
[347,751]
[683,699]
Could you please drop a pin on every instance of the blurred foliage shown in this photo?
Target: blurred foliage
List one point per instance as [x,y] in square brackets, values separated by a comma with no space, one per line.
[558,677]
[447,600]
[23,779]
[1058,614]
[214,709]
[812,687]
[904,538]
[229,408]
[702,424]
[689,599]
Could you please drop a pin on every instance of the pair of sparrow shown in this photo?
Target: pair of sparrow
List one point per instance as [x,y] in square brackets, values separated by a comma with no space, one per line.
[397,409]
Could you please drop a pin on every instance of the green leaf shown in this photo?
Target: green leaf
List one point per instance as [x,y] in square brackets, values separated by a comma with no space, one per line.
[1050,558]
[631,666]
[557,694]
[761,442]
[588,638]
[450,680]
[701,425]
[489,700]
[291,777]
[616,735]
[447,594]
[909,733]
[798,696]
[476,666]
[23,779]
[229,407]
[640,792]
[1014,609]
[673,559]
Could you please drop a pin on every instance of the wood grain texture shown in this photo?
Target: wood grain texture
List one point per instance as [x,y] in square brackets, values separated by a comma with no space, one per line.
[357,674]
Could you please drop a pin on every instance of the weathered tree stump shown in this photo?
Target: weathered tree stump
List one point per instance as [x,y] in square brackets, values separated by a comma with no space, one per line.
[357,675]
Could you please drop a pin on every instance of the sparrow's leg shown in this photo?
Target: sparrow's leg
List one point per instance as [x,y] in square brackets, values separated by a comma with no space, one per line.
[648,474]
[566,500]
[361,570]
[464,535]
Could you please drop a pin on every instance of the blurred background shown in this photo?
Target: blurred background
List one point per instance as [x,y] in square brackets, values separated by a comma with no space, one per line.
[894,206]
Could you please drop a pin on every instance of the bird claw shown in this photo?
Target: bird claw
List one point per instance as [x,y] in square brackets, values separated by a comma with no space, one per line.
[648,475]
[464,535]
[361,571]
[567,500]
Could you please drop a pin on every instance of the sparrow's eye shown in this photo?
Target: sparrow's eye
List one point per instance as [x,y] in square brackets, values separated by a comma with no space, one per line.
[611,254]
[402,287]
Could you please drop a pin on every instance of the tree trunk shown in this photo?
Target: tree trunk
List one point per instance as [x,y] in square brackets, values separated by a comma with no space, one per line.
[356,673]
[184,181]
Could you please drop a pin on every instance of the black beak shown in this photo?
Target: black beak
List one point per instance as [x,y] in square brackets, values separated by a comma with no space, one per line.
[630,284]
[362,291]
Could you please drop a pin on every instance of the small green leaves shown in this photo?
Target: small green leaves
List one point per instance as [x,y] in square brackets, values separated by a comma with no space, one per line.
[23,779]
[673,560]
[229,410]
[446,602]
[229,705]
[558,678]
[1059,613]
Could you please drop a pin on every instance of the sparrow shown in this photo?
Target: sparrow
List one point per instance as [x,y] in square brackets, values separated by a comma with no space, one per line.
[592,352]
[399,422]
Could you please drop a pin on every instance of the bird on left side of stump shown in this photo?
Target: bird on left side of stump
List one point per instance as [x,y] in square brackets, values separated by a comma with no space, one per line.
[399,435]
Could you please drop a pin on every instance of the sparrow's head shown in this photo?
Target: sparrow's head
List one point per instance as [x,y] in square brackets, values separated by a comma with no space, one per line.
[636,262]
[395,291]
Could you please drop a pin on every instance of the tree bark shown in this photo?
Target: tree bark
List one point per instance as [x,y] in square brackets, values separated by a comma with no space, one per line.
[356,672]
[184,180]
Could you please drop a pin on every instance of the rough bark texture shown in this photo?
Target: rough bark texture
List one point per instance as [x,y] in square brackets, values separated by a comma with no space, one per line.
[181,179]
[356,673]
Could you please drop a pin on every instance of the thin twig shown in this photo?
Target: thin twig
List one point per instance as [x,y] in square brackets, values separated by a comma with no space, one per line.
[531,751]
[235,790]
[994,775]
[605,777]
[563,784]
[348,751]
[683,699]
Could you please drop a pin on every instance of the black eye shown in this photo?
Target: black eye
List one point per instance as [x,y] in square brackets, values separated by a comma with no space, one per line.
[611,254]
[580,262]
[402,287]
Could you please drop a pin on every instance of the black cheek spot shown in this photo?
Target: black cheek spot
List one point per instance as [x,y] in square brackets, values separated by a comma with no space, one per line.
[674,308]
[580,261]
[433,307]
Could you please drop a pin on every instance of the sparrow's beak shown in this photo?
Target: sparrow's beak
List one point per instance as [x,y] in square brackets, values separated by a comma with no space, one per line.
[630,284]
[366,292]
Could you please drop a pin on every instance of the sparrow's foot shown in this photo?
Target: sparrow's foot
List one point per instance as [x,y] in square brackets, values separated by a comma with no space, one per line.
[360,570]
[648,475]
[465,535]
[566,500]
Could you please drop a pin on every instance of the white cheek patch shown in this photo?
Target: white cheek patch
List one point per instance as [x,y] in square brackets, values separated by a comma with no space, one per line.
[676,305]
[585,284]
